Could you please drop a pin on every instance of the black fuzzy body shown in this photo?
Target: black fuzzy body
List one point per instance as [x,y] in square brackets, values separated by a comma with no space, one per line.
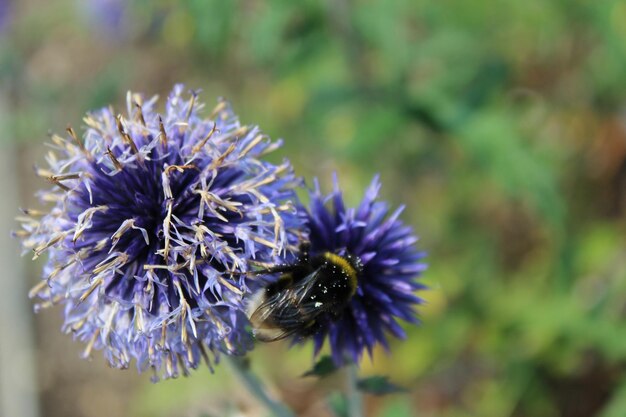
[307,294]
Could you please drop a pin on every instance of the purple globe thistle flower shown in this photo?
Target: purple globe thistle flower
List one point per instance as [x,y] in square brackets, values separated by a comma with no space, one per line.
[391,265]
[151,214]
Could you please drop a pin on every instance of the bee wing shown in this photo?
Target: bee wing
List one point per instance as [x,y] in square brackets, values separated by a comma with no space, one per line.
[282,303]
[267,308]
[281,315]
[265,328]
[272,334]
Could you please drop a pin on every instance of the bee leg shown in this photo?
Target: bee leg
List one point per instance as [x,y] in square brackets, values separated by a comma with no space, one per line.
[304,251]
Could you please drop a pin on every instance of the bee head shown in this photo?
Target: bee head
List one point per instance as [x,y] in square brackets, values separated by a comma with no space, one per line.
[355,262]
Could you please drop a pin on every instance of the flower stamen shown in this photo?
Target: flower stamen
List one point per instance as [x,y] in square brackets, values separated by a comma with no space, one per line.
[116,163]
[203,142]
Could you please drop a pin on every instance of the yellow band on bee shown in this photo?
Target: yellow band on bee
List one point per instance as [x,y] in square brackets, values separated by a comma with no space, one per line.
[345,266]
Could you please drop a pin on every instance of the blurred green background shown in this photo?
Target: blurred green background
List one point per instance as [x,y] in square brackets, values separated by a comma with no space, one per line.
[500,124]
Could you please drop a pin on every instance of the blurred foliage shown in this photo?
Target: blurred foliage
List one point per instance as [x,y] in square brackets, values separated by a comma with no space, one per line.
[323,367]
[378,385]
[501,126]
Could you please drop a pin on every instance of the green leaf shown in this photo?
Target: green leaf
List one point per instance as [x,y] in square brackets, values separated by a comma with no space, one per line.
[378,385]
[338,404]
[324,367]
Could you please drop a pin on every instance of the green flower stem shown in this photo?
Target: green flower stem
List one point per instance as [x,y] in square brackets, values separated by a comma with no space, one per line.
[257,389]
[355,397]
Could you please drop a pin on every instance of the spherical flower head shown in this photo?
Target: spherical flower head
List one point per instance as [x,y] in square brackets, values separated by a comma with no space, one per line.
[386,285]
[154,222]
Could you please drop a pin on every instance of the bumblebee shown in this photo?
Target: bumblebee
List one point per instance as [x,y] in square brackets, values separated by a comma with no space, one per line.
[308,293]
